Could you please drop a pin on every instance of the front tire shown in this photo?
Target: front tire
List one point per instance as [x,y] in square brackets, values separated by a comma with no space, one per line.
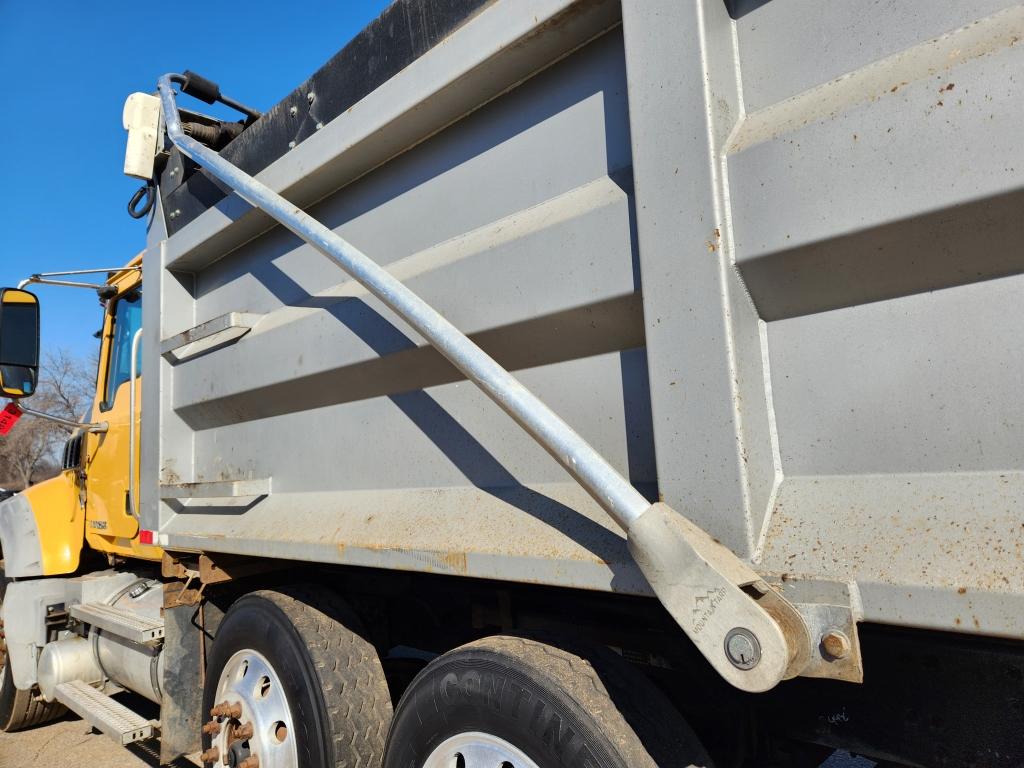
[310,689]
[517,702]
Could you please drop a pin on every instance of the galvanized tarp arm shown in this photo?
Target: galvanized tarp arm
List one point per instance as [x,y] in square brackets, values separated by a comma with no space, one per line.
[746,630]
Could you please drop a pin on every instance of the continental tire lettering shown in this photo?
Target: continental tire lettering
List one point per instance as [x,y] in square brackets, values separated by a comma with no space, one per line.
[471,687]
[563,740]
[493,691]
[519,695]
[536,720]
[500,694]
[493,688]
[450,688]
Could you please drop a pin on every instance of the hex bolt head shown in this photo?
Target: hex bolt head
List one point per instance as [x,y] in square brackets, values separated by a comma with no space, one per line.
[742,648]
[244,732]
[293,111]
[212,755]
[224,709]
[252,761]
[836,644]
[310,97]
[212,728]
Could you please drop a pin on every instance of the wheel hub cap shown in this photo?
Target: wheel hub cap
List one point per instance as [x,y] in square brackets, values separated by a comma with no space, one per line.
[477,750]
[252,717]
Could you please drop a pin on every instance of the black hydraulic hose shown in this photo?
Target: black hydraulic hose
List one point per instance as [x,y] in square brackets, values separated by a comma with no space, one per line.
[147,191]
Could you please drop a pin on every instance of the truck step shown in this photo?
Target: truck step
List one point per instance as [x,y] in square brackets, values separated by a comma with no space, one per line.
[117,621]
[103,713]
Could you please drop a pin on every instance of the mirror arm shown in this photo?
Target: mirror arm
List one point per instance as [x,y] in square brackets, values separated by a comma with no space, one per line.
[44,277]
[106,291]
[37,280]
[100,426]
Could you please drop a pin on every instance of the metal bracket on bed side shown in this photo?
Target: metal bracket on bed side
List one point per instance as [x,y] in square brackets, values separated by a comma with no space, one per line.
[212,334]
[747,631]
[831,610]
[222,489]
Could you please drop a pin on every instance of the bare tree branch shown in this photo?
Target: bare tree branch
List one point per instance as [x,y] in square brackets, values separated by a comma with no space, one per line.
[31,451]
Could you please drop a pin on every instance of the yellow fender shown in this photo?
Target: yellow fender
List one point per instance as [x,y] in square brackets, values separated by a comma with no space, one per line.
[42,529]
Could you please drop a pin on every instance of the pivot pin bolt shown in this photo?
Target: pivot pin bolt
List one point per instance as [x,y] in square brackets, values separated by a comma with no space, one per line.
[836,644]
[742,648]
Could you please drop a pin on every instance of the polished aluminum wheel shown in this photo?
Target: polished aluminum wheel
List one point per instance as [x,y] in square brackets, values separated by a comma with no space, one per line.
[477,750]
[254,718]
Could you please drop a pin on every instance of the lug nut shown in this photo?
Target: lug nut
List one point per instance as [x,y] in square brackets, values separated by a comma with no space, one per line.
[231,711]
[212,728]
[244,732]
[250,762]
[836,644]
[212,755]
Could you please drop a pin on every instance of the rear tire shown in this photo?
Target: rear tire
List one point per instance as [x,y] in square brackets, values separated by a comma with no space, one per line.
[19,709]
[324,684]
[513,701]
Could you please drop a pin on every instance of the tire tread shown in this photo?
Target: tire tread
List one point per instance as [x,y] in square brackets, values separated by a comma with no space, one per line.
[630,708]
[348,668]
[617,716]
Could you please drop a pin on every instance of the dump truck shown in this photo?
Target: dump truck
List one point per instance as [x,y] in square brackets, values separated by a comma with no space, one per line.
[553,383]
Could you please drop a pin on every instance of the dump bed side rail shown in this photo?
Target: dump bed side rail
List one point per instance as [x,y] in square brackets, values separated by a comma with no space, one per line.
[748,632]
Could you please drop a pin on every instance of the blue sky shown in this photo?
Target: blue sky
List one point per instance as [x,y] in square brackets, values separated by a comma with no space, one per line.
[68,67]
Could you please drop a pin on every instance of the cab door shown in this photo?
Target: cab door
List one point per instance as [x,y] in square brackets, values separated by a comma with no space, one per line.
[109,516]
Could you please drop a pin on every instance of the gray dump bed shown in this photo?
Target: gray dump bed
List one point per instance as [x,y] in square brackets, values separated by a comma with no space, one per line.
[764,256]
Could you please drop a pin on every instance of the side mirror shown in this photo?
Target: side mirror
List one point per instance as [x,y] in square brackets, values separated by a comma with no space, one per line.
[19,342]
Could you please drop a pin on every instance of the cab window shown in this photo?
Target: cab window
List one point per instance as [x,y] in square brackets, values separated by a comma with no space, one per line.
[127,320]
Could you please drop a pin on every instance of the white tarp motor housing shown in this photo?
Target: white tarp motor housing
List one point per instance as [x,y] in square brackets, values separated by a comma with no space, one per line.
[143,121]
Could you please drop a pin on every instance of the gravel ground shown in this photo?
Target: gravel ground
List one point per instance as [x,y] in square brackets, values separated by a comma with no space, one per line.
[71,743]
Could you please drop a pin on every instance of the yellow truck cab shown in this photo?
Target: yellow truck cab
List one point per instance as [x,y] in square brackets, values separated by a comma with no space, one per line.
[110,459]
[92,500]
